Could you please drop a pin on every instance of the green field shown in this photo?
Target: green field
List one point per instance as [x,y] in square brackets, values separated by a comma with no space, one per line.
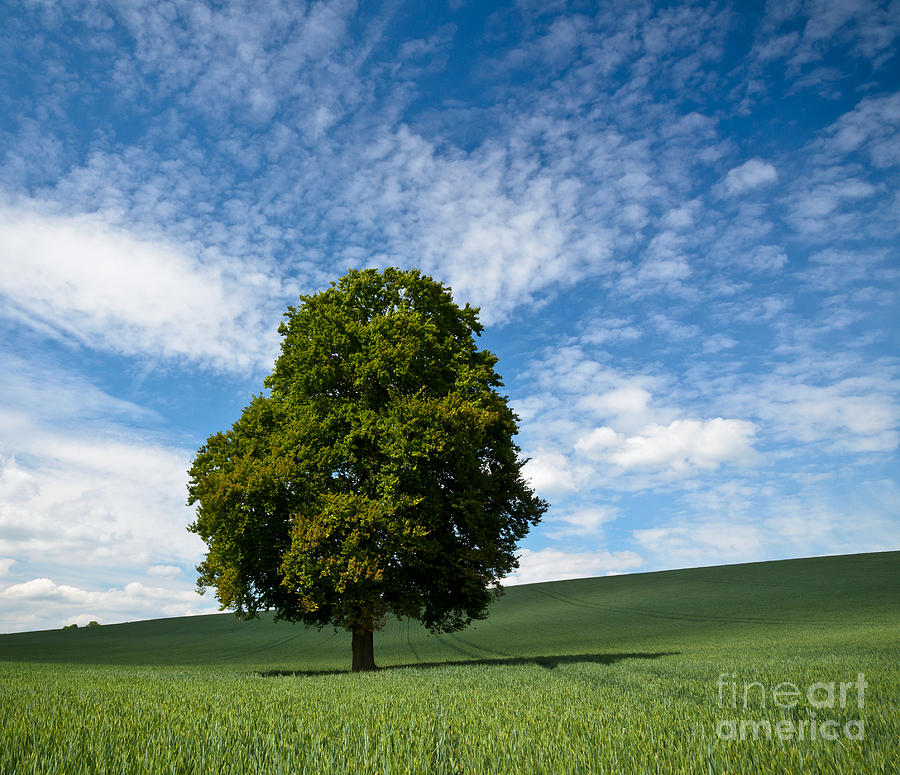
[617,674]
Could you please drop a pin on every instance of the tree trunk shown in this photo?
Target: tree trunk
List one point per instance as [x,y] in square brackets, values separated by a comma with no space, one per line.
[363,653]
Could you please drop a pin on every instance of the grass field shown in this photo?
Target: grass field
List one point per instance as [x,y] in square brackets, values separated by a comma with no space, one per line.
[640,673]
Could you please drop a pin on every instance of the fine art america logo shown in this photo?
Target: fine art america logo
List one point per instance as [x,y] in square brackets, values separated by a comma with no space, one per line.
[819,701]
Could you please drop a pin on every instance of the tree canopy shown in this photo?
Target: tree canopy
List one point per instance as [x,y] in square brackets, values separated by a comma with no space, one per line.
[379,476]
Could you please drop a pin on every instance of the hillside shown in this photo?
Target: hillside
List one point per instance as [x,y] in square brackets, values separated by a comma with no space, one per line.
[588,619]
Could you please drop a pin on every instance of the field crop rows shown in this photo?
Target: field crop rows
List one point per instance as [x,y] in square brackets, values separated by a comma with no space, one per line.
[637,714]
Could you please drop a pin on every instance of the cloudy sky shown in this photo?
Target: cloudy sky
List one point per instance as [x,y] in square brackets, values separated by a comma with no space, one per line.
[680,222]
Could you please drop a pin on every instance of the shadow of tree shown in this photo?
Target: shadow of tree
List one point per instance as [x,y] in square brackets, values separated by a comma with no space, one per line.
[547,661]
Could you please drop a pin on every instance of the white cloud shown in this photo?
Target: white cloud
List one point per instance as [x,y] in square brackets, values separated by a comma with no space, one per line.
[834,269]
[555,565]
[604,331]
[568,369]
[717,343]
[749,175]
[85,481]
[624,402]
[871,126]
[776,527]
[836,202]
[710,542]
[599,440]
[681,217]
[108,504]
[561,183]
[861,28]
[764,258]
[686,444]
[499,233]
[851,414]
[43,604]
[811,526]
[46,589]
[40,589]
[680,447]
[16,484]
[672,329]
[581,521]
[234,63]
[88,490]
[550,472]
[33,389]
[824,199]
[871,26]
[163,570]
[648,443]
[101,286]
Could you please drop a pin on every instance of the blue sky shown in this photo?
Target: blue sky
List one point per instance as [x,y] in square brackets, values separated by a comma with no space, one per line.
[680,222]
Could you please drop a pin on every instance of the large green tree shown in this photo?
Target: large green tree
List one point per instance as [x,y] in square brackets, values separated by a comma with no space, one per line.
[378,477]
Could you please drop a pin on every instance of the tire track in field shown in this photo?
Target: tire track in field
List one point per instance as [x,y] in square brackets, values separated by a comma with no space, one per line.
[648,612]
[320,646]
[448,639]
[480,648]
[271,645]
[409,642]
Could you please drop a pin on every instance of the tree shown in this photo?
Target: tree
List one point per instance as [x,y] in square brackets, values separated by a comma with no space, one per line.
[377,478]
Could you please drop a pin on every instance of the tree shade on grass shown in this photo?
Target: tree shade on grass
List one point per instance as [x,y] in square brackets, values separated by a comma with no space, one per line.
[378,478]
